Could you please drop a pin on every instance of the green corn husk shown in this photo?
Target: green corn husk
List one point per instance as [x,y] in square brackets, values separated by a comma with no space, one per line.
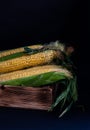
[68,96]
[12,56]
[37,80]
[19,54]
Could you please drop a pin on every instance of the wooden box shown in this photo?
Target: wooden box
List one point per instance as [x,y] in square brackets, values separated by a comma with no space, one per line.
[27,97]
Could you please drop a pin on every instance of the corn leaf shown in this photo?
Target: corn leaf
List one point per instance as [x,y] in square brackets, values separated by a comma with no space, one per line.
[68,96]
[37,80]
[12,56]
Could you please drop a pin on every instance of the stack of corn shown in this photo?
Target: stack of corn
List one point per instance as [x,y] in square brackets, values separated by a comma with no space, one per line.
[35,66]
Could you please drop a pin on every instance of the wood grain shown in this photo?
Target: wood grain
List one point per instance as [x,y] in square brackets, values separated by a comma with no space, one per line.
[26,97]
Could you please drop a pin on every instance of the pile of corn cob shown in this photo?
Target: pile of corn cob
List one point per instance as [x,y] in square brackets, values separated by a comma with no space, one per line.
[37,66]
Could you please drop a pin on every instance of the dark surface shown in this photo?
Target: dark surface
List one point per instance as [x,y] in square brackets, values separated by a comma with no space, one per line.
[35,21]
[34,120]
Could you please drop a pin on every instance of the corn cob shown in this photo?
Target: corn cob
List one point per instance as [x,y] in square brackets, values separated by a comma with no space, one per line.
[35,76]
[52,45]
[17,50]
[14,53]
[28,61]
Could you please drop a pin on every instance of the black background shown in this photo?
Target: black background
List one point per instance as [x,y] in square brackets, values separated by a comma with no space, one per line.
[41,21]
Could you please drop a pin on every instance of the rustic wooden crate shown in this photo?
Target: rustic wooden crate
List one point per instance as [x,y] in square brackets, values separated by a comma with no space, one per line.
[27,97]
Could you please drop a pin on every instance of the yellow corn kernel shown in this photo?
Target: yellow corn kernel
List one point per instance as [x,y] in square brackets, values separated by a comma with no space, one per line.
[13,51]
[27,61]
[34,71]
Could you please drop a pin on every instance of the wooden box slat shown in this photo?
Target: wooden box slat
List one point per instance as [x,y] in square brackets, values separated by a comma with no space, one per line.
[26,97]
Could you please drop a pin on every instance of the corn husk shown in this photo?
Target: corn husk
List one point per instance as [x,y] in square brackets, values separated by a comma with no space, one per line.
[36,76]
